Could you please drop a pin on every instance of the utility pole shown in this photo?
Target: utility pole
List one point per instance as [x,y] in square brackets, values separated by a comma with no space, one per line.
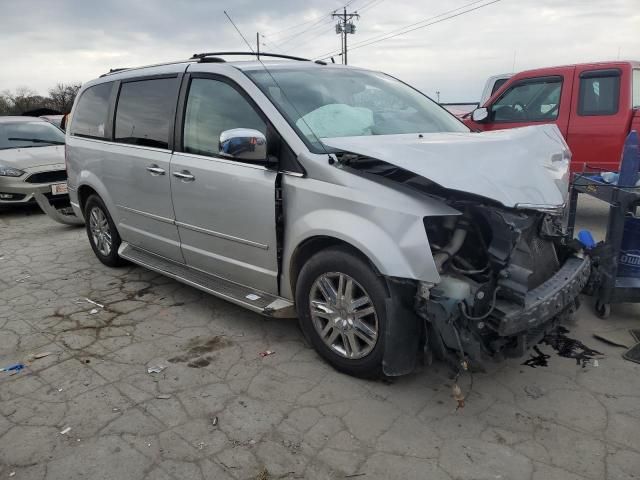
[258,44]
[344,27]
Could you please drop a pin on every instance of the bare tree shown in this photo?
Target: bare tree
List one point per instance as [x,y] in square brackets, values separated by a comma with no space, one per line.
[61,96]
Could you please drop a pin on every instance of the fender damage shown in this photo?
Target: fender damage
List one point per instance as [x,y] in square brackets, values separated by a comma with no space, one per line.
[508,273]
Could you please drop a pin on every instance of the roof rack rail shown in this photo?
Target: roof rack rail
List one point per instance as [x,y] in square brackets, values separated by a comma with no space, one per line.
[114,70]
[203,56]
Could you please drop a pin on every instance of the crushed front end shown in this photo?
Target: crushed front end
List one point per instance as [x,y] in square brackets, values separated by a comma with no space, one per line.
[508,276]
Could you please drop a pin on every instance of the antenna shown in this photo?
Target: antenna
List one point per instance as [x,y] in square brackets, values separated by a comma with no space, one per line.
[277,84]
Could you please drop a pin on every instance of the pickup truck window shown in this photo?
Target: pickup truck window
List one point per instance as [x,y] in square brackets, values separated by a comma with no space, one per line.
[636,89]
[331,102]
[599,93]
[531,100]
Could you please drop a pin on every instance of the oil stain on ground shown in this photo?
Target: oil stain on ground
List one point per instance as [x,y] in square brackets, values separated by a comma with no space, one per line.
[565,347]
[199,350]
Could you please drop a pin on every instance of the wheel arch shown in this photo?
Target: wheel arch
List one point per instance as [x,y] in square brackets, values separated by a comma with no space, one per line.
[312,245]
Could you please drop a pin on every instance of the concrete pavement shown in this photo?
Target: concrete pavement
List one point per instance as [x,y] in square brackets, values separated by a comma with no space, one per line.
[219,410]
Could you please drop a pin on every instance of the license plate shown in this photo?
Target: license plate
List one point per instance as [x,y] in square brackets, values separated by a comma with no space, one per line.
[59,189]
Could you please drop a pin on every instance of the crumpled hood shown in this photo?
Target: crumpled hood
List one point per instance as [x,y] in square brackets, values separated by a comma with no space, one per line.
[26,158]
[520,168]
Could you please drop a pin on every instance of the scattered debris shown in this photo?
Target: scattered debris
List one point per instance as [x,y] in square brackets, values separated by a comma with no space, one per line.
[266,353]
[12,474]
[93,311]
[94,303]
[596,363]
[148,444]
[36,356]
[65,430]
[156,369]
[618,338]
[253,297]
[59,390]
[533,392]
[214,421]
[263,474]
[22,279]
[200,445]
[13,368]
[163,396]
[633,354]
[115,409]
[458,396]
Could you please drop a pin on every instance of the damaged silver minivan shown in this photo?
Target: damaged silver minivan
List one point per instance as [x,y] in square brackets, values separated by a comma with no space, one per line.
[335,194]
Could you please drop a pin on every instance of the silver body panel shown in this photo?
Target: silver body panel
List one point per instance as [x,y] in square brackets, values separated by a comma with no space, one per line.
[223,223]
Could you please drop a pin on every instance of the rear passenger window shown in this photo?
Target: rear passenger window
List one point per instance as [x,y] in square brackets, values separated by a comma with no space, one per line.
[599,92]
[90,117]
[213,107]
[145,111]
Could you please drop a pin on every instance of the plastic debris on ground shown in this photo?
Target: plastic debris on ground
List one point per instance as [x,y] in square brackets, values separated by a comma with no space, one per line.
[65,430]
[163,397]
[156,369]
[266,353]
[214,421]
[93,311]
[36,356]
[15,368]
[458,396]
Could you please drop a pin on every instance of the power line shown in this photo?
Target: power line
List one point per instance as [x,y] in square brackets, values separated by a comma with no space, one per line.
[369,5]
[315,24]
[416,26]
[318,24]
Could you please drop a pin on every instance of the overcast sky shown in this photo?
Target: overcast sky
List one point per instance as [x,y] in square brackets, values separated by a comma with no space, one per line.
[43,42]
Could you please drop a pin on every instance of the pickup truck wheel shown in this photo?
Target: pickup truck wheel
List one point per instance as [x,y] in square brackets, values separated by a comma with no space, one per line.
[102,232]
[341,309]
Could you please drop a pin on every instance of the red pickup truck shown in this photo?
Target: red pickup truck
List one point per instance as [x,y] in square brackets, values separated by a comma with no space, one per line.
[595,106]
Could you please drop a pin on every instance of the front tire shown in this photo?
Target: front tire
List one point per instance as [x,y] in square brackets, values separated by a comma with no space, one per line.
[102,232]
[341,308]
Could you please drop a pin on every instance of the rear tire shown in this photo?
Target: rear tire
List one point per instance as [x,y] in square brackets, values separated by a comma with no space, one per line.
[103,235]
[341,304]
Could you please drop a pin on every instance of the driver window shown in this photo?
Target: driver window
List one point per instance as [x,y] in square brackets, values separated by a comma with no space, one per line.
[213,107]
[529,102]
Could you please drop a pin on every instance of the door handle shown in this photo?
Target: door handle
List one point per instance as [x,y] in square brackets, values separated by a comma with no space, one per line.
[155,170]
[184,175]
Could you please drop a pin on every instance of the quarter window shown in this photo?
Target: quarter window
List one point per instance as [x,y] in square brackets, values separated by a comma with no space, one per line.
[636,89]
[145,112]
[214,106]
[599,92]
[529,101]
[90,116]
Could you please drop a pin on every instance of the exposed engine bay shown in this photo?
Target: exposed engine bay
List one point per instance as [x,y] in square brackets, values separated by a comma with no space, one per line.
[507,276]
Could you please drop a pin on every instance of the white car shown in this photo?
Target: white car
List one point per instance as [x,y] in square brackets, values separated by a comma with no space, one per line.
[31,161]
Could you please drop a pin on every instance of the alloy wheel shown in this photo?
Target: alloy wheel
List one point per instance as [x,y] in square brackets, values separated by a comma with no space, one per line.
[343,315]
[100,231]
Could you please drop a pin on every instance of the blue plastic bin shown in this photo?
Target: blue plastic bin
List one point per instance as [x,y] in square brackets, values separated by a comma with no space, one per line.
[629,259]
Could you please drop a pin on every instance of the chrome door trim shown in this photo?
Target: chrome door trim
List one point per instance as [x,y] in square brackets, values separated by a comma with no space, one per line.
[222,235]
[147,214]
[222,160]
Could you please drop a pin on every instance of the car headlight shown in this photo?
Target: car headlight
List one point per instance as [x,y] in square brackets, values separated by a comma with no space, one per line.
[10,172]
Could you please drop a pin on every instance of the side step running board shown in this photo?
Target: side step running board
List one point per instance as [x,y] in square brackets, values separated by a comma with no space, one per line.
[256,300]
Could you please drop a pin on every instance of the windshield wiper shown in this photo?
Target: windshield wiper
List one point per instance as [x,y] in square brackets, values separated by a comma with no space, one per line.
[34,140]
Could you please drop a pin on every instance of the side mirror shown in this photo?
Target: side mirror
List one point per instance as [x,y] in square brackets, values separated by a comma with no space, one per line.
[243,144]
[480,114]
